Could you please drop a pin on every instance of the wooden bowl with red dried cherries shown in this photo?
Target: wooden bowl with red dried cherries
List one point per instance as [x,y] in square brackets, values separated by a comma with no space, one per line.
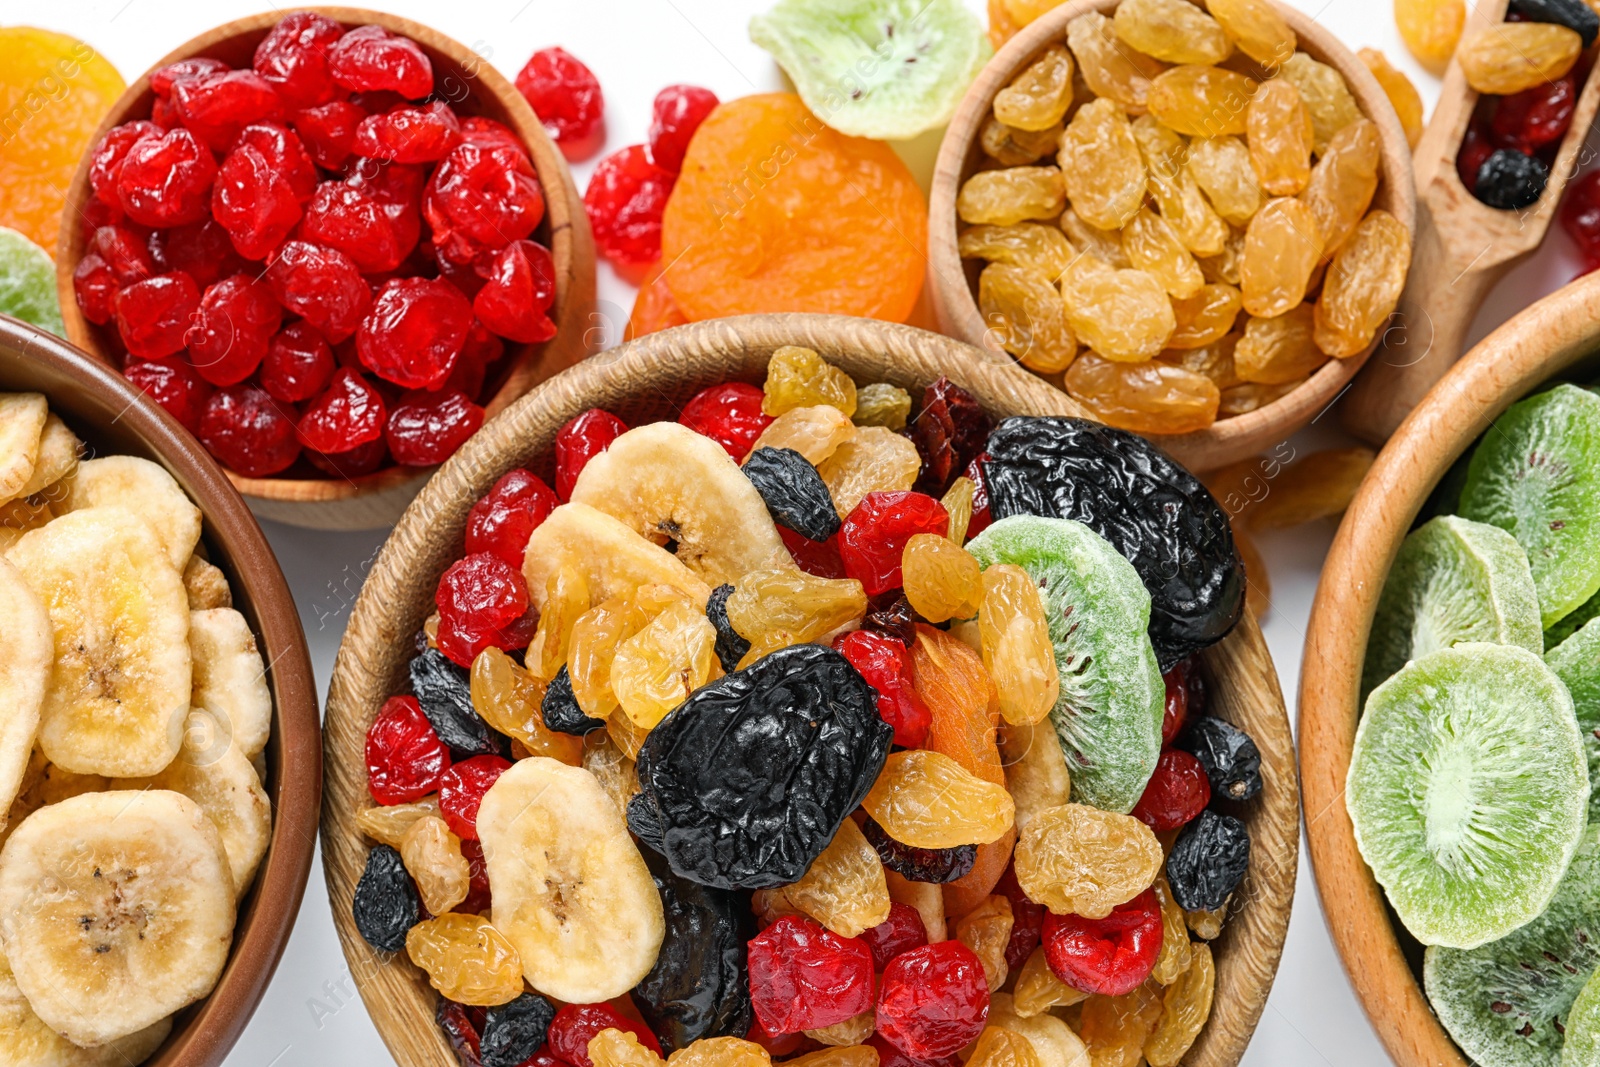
[331,244]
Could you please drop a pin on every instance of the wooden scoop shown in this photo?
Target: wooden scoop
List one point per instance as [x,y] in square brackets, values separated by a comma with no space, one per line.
[1463,247]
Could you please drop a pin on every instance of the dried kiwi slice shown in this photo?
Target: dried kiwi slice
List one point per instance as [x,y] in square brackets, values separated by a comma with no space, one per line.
[887,69]
[1581,1048]
[1573,622]
[1536,473]
[28,283]
[1504,1002]
[1469,790]
[1454,580]
[1576,662]
[1109,713]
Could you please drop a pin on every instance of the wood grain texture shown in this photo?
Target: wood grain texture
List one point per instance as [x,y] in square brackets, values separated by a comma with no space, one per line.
[1463,248]
[952,285]
[650,379]
[1551,337]
[472,87]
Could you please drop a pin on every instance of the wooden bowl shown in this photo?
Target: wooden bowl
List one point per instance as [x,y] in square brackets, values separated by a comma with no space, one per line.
[650,379]
[472,87]
[114,417]
[1557,335]
[952,282]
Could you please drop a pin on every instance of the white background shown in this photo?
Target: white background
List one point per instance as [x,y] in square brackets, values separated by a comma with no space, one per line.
[311,1014]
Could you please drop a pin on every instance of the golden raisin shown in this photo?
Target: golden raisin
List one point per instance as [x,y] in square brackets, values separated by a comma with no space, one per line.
[1281,249]
[720,1052]
[853,1032]
[1023,311]
[1509,57]
[657,668]
[942,580]
[595,637]
[1154,248]
[508,697]
[388,825]
[1150,397]
[466,959]
[1017,148]
[1201,101]
[1246,397]
[1122,314]
[882,404]
[1343,181]
[1278,350]
[799,378]
[814,432]
[1316,487]
[626,734]
[1185,1007]
[1000,1047]
[1257,28]
[1363,285]
[1101,168]
[1002,27]
[986,930]
[1430,29]
[874,460]
[1207,925]
[1017,651]
[1221,167]
[1279,135]
[1114,1029]
[1038,989]
[1174,957]
[1037,98]
[957,501]
[1205,317]
[1214,360]
[612,768]
[844,1055]
[926,897]
[1037,247]
[790,601]
[1398,88]
[566,598]
[1174,31]
[1177,195]
[924,799]
[1110,68]
[432,855]
[1104,245]
[1079,860]
[843,889]
[1326,96]
[1224,266]
[620,1048]
[1036,768]
[1005,197]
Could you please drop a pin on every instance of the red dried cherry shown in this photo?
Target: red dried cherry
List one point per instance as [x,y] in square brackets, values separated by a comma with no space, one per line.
[405,758]
[95,287]
[298,364]
[162,115]
[349,219]
[460,1031]
[350,412]
[1176,710]
[174,385]
[322,286]
[125,251]
[396,186]
[1109,956]
[1177,792]
[97,213]
[217,106]
[901,932]
[489,133]
[246,429]
[730,414]
[163,78]
[369,58]
[1580,216]
[677,112]
[933,1000]
[576,1024]
[1027,919]
[1476,147]
[285,154]
[202,250]
[363,459]
[481,199]
[515,301]
[566,96]
[874,535]
[626,197]
[461,791]
[817,558]
[777,1045]
[1533,118]
[501,522]
[329,131]
[153,315]
[293,58]
[886,665]
[105,162]
[166,180]
[427,427]
[804,977]
[579,441]
[410,134]
[253,203]
[232,329]
[479,352]
[414,331]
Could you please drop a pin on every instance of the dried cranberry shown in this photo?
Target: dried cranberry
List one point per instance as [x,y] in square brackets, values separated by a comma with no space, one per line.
[246,429]
[980,497]
[293,58]
[410,134]
[677,112]
[488,132]
[232,329]
[891,615]
[460,1032]
[166,180]
[347,414]
[126,251]
[1027,919]
[414,331]
[405,758]
[730,414]
[329,131]
[575,1025]
[1176,710]
[478,900]
[1580,215]
[298,364]
[322,286]
[95,287]
[874,535]
[153,315]
[626,197]
[579,441]
[427,427]
[817,558]
[501,522]
[217,106]
[515,301]
[1109,956]
[162,79]
[1533,118]
[949,431]
[804,977]
[348,219]
[285,155]
[462,787]
[566,97]
[174,385]
[1476,148]
[889,1056]
[1177,792]
[360,460]
[481,199]
[105,162]
[901,932]
[886,665]
[253,203]
[202,250]
[933,1000]
[370,58]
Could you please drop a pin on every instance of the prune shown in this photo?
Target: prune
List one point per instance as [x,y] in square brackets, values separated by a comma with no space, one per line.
[459,1031]
[700,986]
[731,647]
[948,431]
[561,711]
[445,693]
[793,491]
[1575,15]
[938,865]
[891,615]
[513,1032]
[1153,511]
[1230,757]
[1208,861]
[747,781]
[1509,180]
[386,904]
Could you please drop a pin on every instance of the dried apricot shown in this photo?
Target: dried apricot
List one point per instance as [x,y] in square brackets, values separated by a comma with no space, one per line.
[951,681]
[1150,397]
[1362,285]
[654,308]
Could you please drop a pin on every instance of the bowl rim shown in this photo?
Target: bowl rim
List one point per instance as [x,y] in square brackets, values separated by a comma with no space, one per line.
[267,914]
[1532,347]
[571,244]
[955,304]
[398,591]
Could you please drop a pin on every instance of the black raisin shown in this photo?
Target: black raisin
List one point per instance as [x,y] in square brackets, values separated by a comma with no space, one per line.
[949,431]
[920,864]
[891,615]
[560,708]
[1510,181]
[443,691]
[748,780]
[731,648]
[1230,757]
[1152,510]
[513,1032]
[795,494]
[1208,860]
[1575,15]
[386,903]
[456,1023]
[700,985]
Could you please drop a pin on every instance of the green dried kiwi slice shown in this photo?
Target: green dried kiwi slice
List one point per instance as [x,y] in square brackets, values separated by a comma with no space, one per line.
[1469,790]
[1574,621]
[1108,715]
[1581,1045]
[1504,1002]
[887,69]
[28,283]
[1576,662]
[1454,580]
[1536,473]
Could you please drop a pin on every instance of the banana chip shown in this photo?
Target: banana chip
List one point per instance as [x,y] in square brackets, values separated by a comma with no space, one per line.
[22,418]
[25,1041]
[229,679]
[28,646]
[612,558]
[58,456]
[146,490]
[206,585]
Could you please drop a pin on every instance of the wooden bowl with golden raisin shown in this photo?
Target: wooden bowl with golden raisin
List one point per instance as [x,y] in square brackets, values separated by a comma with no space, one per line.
[1202,247]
